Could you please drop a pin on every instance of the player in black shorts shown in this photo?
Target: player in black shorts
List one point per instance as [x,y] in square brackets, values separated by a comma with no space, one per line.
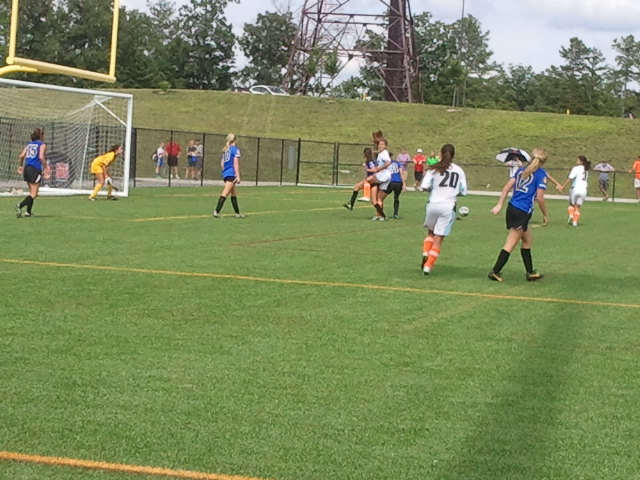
[33,162]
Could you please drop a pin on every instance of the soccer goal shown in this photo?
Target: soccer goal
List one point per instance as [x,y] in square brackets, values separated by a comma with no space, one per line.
[79,124]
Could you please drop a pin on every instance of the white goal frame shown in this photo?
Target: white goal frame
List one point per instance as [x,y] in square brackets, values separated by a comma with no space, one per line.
[98,100]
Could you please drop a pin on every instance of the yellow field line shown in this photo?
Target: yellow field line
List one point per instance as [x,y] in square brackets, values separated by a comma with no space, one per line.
[118,467]
[317,283]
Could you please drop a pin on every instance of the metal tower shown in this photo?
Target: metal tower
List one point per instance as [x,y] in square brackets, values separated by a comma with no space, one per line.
[335,35]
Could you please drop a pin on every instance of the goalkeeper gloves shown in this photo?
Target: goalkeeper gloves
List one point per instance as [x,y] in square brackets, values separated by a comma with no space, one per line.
[108,181]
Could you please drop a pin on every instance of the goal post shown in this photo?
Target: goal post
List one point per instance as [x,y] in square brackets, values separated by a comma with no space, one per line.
[16,63]
[79,125]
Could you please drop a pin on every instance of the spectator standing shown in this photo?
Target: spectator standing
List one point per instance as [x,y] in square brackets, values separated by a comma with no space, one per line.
[403,159]
[514,163]
[604,168]
[636,181]
[432,159]
[161,156]
[189,171]
[418,167]
[198,156]
[173,153]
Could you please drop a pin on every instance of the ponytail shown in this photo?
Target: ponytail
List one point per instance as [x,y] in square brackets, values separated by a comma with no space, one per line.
[447,152]
[585,163]
[539,157]
[231,138]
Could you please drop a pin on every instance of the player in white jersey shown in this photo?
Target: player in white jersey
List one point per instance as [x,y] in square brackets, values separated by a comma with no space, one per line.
[578,177]
[445,181]
[380,178]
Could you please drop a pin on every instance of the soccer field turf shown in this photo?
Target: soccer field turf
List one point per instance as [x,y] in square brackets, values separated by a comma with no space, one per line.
[303,342]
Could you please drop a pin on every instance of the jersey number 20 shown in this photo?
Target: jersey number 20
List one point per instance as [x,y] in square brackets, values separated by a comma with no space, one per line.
[449,179]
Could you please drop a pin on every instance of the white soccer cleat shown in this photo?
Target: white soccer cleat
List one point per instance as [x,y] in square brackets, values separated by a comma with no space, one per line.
[426,270]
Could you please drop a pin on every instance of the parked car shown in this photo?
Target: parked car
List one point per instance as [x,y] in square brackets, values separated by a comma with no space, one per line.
[268,90]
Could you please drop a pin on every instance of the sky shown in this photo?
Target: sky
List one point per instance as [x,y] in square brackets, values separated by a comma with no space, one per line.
[521,32]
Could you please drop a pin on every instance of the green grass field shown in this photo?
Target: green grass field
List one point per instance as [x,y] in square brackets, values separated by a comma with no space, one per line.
[304,343]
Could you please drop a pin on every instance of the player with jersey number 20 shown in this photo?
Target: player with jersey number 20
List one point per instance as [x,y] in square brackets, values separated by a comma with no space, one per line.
[445,181]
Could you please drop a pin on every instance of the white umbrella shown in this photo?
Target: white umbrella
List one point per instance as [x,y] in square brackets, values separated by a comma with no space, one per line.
[509,154]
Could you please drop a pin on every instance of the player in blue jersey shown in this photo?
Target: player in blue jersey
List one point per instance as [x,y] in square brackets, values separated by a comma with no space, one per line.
[369,165]
[528,184]
[230,164]
[33,162]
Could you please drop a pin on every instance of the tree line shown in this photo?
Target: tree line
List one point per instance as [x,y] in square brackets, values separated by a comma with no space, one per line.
[194,47]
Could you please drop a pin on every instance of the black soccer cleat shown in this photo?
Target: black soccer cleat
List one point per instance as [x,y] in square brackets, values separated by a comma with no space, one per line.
[496,277]
[533,276]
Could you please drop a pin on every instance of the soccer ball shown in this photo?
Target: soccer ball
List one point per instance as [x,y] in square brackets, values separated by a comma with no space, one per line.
[463,211]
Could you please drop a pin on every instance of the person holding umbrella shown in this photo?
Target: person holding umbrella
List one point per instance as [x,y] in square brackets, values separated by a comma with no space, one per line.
[516,158]
[513,158]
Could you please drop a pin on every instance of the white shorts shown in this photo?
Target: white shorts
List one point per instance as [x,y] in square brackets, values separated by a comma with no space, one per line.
[636,182]
[384,186]
[576,197]
[383,176]
[439,218]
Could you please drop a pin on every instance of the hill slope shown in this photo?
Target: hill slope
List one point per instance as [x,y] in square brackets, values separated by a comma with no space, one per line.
[477,134]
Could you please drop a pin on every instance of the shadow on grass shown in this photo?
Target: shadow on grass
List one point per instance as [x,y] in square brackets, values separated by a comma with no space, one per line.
[516,436]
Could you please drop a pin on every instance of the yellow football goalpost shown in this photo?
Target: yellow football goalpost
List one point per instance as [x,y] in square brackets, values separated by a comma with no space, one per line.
[27,65]
[80,123]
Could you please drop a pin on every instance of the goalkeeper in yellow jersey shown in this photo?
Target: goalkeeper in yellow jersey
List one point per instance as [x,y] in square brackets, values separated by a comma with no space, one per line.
[100,168]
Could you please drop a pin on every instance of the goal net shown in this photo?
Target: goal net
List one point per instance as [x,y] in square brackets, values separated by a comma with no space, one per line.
[79,125]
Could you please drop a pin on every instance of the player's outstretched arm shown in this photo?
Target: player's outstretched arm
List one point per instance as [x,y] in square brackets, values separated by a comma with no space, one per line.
[503,195]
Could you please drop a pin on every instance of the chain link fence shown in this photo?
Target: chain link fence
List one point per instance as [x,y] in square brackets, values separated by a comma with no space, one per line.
[278,161]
